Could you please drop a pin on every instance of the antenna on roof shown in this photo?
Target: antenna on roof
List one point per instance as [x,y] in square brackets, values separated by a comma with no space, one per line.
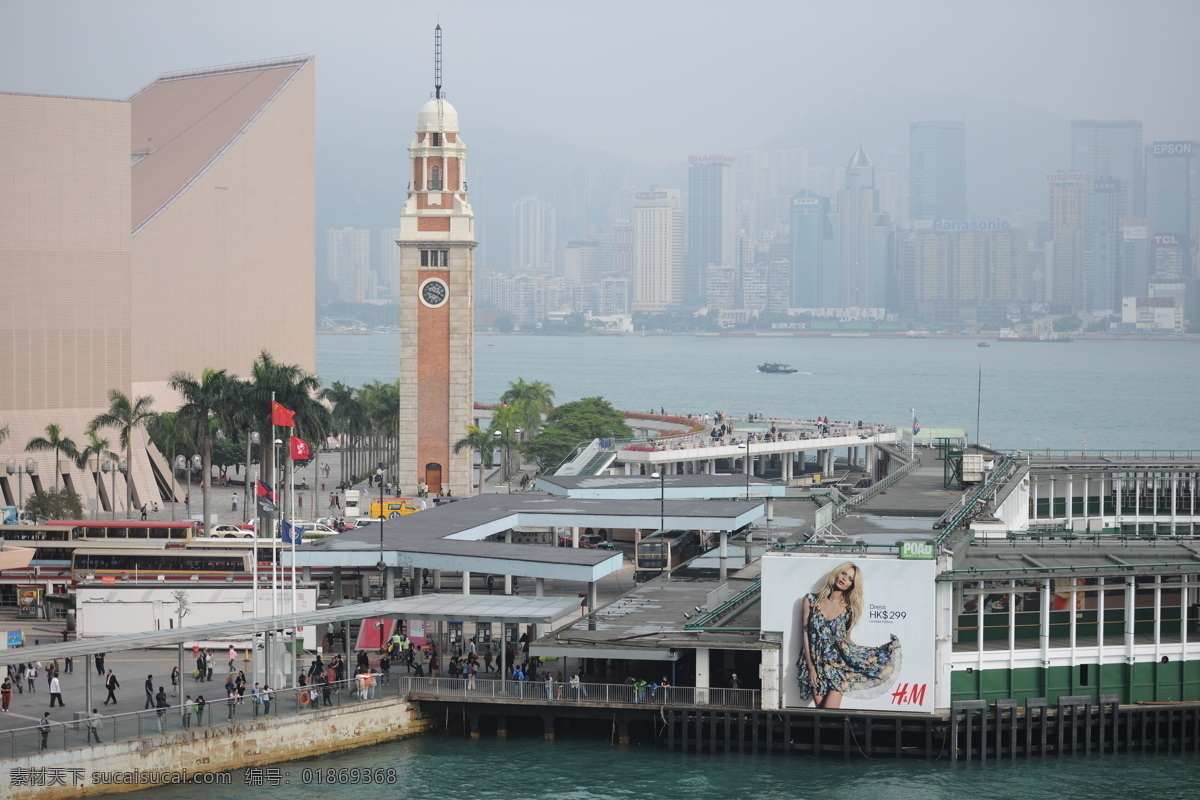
[437,62]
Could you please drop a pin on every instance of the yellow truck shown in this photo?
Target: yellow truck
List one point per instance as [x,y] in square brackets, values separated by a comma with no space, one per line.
[393,508]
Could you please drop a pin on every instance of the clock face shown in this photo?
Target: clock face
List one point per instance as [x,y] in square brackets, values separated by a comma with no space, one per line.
[433,292]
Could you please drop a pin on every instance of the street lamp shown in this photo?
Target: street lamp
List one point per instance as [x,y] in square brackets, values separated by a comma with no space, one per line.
[114,466]
[496,437]
[20,470]
[182,463]
[381,566]
[252,437]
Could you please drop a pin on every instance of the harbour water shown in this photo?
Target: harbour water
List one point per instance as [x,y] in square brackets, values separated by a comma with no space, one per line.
[1111,395]
[453,767]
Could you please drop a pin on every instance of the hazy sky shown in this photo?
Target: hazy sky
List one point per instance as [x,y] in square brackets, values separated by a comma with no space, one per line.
[652,81]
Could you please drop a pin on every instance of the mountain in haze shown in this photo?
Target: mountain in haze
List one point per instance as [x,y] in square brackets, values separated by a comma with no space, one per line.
[1010,146]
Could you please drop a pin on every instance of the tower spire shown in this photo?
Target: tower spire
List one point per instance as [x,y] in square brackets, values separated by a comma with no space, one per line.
[437,62]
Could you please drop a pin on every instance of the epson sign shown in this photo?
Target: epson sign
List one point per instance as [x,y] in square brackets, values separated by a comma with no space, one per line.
[1172,149]
[971,225]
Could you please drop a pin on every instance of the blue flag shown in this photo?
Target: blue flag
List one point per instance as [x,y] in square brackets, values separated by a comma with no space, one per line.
[916,426]
[290,533]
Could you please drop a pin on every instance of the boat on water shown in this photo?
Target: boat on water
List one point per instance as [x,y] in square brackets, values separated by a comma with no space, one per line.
[774,367]
[983,344]
[1009,335]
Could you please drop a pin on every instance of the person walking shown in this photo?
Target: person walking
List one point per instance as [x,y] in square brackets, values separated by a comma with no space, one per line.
[201,666]
[68,664]
[94,723]
[55,691]
[99,659]
[5,693]
[232,657]
[234,498]
[44,731]
[185,711]
[149,686]
[175,681]
[111,684]
[265,698]
[200,704]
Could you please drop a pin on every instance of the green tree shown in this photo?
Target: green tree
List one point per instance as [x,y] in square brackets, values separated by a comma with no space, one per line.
[348,418]
[572,423]
[126,416]
[481,441]
[54,504]
[54,440]
[203,399]
[1068,324]
[505,322]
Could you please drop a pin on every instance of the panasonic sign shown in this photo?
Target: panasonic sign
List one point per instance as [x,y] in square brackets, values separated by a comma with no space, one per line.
[971,225]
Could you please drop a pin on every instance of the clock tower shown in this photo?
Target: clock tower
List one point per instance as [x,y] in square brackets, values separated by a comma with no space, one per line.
[437,280]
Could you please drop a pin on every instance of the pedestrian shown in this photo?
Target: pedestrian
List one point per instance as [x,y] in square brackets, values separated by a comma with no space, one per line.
[208,661]
[187,504]
[55,691]
[154,508]
[44,730]
[5,693]
[161,704]
[30,677]
[144,509]
[234,498]
[265,698]
[111,683]
[175,681]
[233,698]
[200,710]
[149,686]
[734,682]
[94,723]
[201,667]
[232,657]
[68,665]
[185,711]
[99,659]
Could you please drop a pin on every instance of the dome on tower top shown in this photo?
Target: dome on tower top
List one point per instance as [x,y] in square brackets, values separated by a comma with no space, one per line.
[859,159]
[437,115]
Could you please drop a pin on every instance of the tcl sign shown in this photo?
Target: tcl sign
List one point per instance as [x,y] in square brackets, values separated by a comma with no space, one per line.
[1166,240]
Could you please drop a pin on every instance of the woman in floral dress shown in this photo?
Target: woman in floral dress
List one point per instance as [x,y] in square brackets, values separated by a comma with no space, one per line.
[830,664]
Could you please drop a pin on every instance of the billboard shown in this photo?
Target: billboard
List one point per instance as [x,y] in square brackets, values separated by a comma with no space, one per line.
[858,633]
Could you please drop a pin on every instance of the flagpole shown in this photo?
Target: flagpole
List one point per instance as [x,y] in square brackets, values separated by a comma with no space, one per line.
[292,514]
[274,555]
[912,445]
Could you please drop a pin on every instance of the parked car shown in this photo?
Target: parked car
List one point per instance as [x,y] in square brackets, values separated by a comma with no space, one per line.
[225,531]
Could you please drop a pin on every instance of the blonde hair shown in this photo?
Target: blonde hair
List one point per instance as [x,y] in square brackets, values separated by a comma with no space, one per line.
[853,597]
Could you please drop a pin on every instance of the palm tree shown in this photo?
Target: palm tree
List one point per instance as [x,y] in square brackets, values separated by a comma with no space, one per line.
[96,447]
[126,416]
[54,440]
[297,391]
[481,440]
[530,402]
[202,399]
[345,413]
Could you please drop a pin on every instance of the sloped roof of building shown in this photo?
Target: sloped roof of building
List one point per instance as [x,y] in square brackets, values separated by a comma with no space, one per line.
[183,121]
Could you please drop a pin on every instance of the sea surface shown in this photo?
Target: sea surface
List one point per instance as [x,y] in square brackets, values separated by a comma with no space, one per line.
[439,766]
[1082,395]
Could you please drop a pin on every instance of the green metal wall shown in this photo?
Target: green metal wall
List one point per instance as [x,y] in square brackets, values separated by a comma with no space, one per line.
[1155,682]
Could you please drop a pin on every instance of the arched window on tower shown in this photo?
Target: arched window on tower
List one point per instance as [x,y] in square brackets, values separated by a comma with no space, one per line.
[435,179]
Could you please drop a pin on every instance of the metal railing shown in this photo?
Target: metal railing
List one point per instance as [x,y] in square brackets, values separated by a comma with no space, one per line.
[218,713]
[844,508]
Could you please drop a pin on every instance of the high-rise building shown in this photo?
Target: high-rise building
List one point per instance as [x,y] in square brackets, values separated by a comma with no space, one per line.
[658,250]
[215,210]
[389,261]
[1110,154]
[1173,207]
[861,231]
[533,237]
[937,171]
[1069,279]
[811,235]
[581,261]
[348,260]
[711,221]
[437,244]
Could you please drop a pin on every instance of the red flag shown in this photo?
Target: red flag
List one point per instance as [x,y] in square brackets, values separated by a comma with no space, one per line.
[299,448]
[281,416]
